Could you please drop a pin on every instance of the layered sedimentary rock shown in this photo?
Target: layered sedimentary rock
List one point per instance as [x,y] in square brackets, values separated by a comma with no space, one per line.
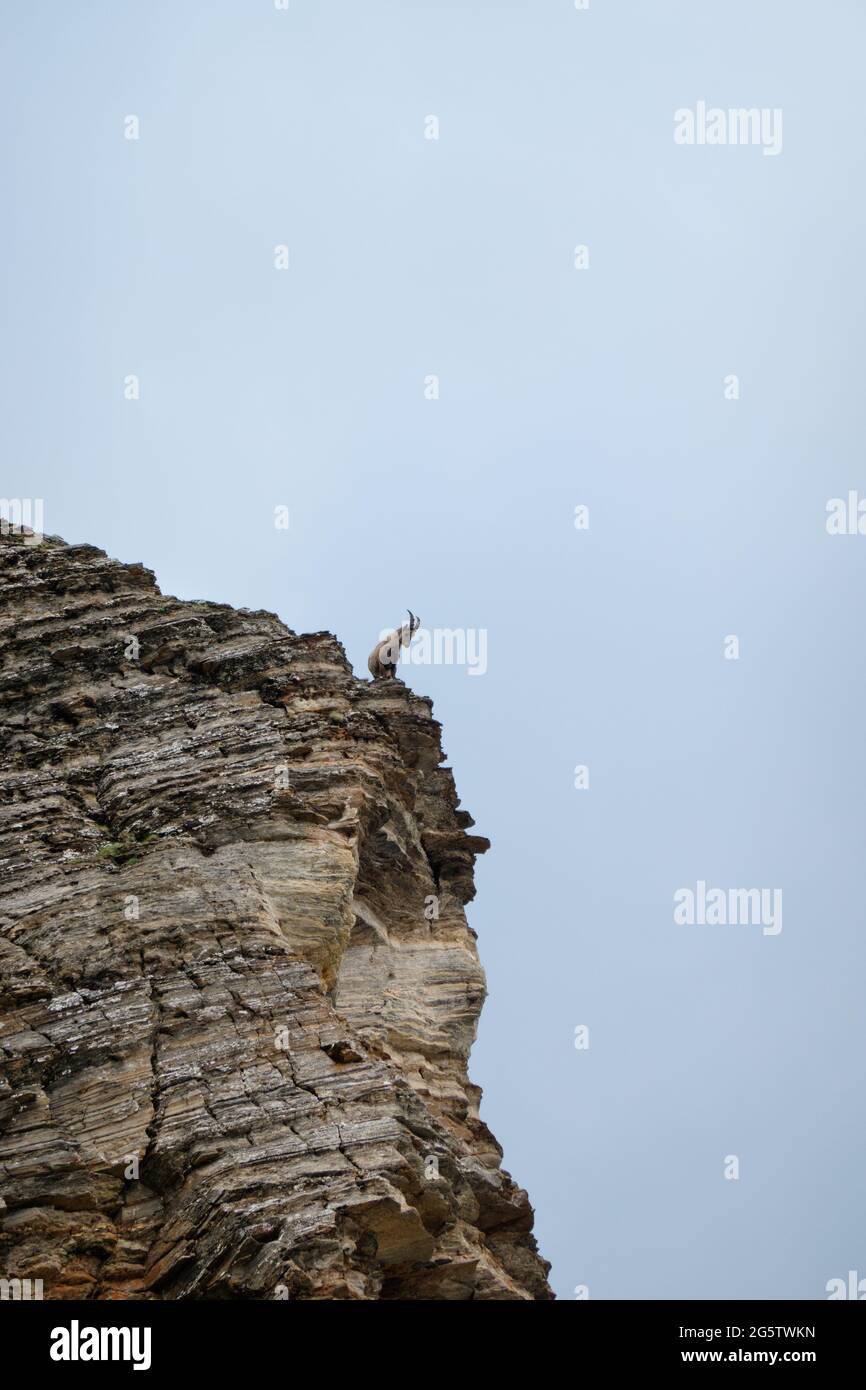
[237,985]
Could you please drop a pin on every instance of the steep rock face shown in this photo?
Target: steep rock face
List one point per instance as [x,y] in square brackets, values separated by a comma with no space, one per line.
[233,1028]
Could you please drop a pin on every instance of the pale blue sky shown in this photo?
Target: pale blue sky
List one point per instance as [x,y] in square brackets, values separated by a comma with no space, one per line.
[558,387]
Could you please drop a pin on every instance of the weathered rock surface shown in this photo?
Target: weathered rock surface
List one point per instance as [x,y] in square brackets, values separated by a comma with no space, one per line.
[233,1047]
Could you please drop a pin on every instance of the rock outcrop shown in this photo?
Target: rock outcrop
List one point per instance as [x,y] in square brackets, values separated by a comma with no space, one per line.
[237,986]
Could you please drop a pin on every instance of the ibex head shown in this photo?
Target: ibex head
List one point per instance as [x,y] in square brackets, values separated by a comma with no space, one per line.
[414,623]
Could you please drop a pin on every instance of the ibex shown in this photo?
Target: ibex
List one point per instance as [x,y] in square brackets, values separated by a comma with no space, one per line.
[382,661]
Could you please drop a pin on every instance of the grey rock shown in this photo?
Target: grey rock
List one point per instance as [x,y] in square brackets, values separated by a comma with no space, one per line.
[233,1048]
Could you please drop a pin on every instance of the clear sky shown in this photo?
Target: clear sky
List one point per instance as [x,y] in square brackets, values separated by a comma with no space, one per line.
[558,387]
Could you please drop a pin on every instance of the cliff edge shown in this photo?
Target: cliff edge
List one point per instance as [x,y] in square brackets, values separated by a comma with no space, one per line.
[237,986]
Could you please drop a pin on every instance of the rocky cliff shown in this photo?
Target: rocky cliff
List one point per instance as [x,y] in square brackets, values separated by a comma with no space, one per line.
[237,986]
